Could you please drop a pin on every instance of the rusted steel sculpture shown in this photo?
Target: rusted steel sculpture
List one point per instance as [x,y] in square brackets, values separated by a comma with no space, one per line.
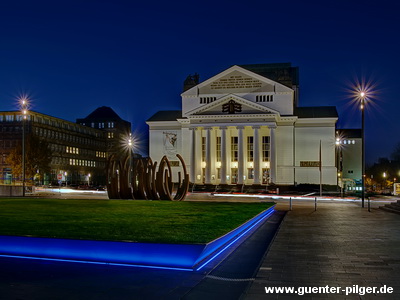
[138,178]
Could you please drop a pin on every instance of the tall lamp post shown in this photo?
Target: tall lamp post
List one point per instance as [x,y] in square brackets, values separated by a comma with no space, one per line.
[339,164]
[130,144]
[24,110]
[362,97]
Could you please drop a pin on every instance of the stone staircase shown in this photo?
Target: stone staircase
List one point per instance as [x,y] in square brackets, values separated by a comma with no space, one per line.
[392,207]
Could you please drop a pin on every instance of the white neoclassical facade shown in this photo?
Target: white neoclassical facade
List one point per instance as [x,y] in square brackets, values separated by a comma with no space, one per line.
[243,126]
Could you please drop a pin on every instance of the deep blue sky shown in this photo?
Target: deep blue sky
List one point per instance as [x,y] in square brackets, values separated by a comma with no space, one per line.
[74,56]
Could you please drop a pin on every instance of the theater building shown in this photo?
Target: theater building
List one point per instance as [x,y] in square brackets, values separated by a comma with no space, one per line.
[245,126]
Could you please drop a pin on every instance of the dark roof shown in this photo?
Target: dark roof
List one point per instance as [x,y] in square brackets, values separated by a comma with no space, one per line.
[283,73]
[103,112]
[166,115]
[350,133]
[316,112]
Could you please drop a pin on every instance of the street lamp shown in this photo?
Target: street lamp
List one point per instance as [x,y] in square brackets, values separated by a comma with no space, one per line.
[24,110]
[130,145]
[384,181]
[339,163]
[66,181]
[362,98]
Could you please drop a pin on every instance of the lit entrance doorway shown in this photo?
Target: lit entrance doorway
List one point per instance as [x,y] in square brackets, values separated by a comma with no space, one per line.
[234,177]
[265,176]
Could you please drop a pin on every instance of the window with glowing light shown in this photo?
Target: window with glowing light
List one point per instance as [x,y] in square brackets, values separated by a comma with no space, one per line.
[234,148]
[203,148]
[218,147]
[265,148]
[250,152]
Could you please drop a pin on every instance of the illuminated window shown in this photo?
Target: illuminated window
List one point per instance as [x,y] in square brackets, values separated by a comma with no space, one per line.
[218,148]
[250,173]
[250,152]
[265,176]
[203,148]
[265,148]
[234,148]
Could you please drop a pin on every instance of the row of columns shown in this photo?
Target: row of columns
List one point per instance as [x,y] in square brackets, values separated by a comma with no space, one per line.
[241,161]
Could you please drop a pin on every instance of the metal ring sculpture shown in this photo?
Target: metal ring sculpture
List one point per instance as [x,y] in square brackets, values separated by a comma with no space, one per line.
[137,178]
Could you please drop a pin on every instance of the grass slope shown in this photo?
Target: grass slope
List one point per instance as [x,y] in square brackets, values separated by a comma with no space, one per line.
[139,221]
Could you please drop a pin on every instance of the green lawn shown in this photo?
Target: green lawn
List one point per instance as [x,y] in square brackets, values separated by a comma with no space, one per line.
[124,220]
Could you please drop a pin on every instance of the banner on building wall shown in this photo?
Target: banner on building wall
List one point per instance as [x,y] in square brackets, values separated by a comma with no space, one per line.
[170,144]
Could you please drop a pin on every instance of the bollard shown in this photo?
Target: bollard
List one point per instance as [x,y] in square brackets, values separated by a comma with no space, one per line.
[315,204]
[369,205]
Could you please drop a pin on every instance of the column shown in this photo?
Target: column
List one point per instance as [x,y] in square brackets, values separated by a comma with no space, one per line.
[198,162]
[193,156]
[256,155]
[273,154]
[223,155]
[208,155]
[241,154]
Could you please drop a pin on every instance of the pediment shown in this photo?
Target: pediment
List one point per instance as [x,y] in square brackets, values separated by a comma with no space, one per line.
[236,80]
[231,105]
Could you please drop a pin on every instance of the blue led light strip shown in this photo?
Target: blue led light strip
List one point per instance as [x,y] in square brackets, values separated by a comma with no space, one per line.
[236,239]
[185,257]
[94,262]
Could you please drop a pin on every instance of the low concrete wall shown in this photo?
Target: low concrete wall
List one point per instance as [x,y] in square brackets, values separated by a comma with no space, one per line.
[10,190]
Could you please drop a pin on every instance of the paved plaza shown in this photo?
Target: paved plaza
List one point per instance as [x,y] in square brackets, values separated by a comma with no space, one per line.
[340,244]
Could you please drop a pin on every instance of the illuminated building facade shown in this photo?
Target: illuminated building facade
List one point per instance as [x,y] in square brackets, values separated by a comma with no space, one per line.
[349,145]
[106,119]
[243,126]
[79,152]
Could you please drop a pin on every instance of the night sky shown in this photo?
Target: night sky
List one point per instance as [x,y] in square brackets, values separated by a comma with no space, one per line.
[71,57]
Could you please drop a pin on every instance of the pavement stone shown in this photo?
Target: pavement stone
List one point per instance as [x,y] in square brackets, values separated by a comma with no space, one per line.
[339,244]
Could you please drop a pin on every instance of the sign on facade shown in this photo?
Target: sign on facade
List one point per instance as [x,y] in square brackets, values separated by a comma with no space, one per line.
[309,164]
